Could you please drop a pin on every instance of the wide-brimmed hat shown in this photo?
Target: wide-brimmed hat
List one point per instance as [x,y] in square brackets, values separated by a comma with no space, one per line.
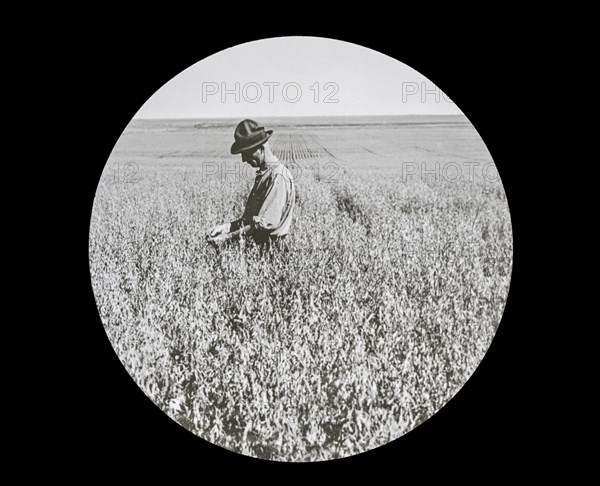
[249,135]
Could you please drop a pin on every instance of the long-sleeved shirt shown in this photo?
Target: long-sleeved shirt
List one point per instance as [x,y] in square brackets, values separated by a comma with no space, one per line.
[271,202]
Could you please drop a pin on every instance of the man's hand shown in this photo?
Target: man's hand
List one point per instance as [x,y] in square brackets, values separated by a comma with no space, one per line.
[219,230]
[218,240]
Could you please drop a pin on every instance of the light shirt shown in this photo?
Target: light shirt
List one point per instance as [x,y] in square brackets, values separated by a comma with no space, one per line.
[271,202]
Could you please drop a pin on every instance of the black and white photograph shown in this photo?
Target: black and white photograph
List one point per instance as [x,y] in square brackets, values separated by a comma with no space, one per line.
[300,249]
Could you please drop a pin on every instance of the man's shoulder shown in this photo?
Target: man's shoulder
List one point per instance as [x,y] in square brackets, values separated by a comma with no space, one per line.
[279,169]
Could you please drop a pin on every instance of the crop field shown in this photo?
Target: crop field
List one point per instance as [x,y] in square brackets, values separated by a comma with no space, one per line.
[388,297]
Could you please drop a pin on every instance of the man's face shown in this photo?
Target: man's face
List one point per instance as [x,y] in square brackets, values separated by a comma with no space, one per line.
[253,157]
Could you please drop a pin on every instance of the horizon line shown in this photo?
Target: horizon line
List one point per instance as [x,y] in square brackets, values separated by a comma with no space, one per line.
[294,116]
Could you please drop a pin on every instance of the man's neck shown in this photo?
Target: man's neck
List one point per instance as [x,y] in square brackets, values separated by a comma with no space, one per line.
[268,163]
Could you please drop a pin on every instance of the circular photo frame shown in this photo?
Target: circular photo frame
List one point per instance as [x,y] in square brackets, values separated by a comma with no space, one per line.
[303,262]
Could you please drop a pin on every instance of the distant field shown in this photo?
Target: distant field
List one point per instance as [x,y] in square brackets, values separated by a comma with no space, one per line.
[398,270]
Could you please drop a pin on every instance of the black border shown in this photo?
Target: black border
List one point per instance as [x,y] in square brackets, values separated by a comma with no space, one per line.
[115,419]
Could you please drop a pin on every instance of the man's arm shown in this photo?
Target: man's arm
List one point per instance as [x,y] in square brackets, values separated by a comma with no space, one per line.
[273,206]
[243,230]
[221,238]
[236,225]
[269,213]
[226,228]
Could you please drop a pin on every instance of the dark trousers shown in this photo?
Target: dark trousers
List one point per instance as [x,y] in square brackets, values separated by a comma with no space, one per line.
[266,245]
[271,244]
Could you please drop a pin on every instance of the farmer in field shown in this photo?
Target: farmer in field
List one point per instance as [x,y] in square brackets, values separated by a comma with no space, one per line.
[268,214]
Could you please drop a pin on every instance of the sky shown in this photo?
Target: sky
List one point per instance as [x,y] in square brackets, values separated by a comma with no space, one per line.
[297,76]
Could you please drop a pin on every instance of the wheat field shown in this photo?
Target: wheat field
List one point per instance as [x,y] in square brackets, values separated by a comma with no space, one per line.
[385,302]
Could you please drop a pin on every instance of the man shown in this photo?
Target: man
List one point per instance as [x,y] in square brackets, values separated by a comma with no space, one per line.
[268,214]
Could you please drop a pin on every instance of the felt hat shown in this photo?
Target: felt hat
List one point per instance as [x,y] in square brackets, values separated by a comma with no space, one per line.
[248,135]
